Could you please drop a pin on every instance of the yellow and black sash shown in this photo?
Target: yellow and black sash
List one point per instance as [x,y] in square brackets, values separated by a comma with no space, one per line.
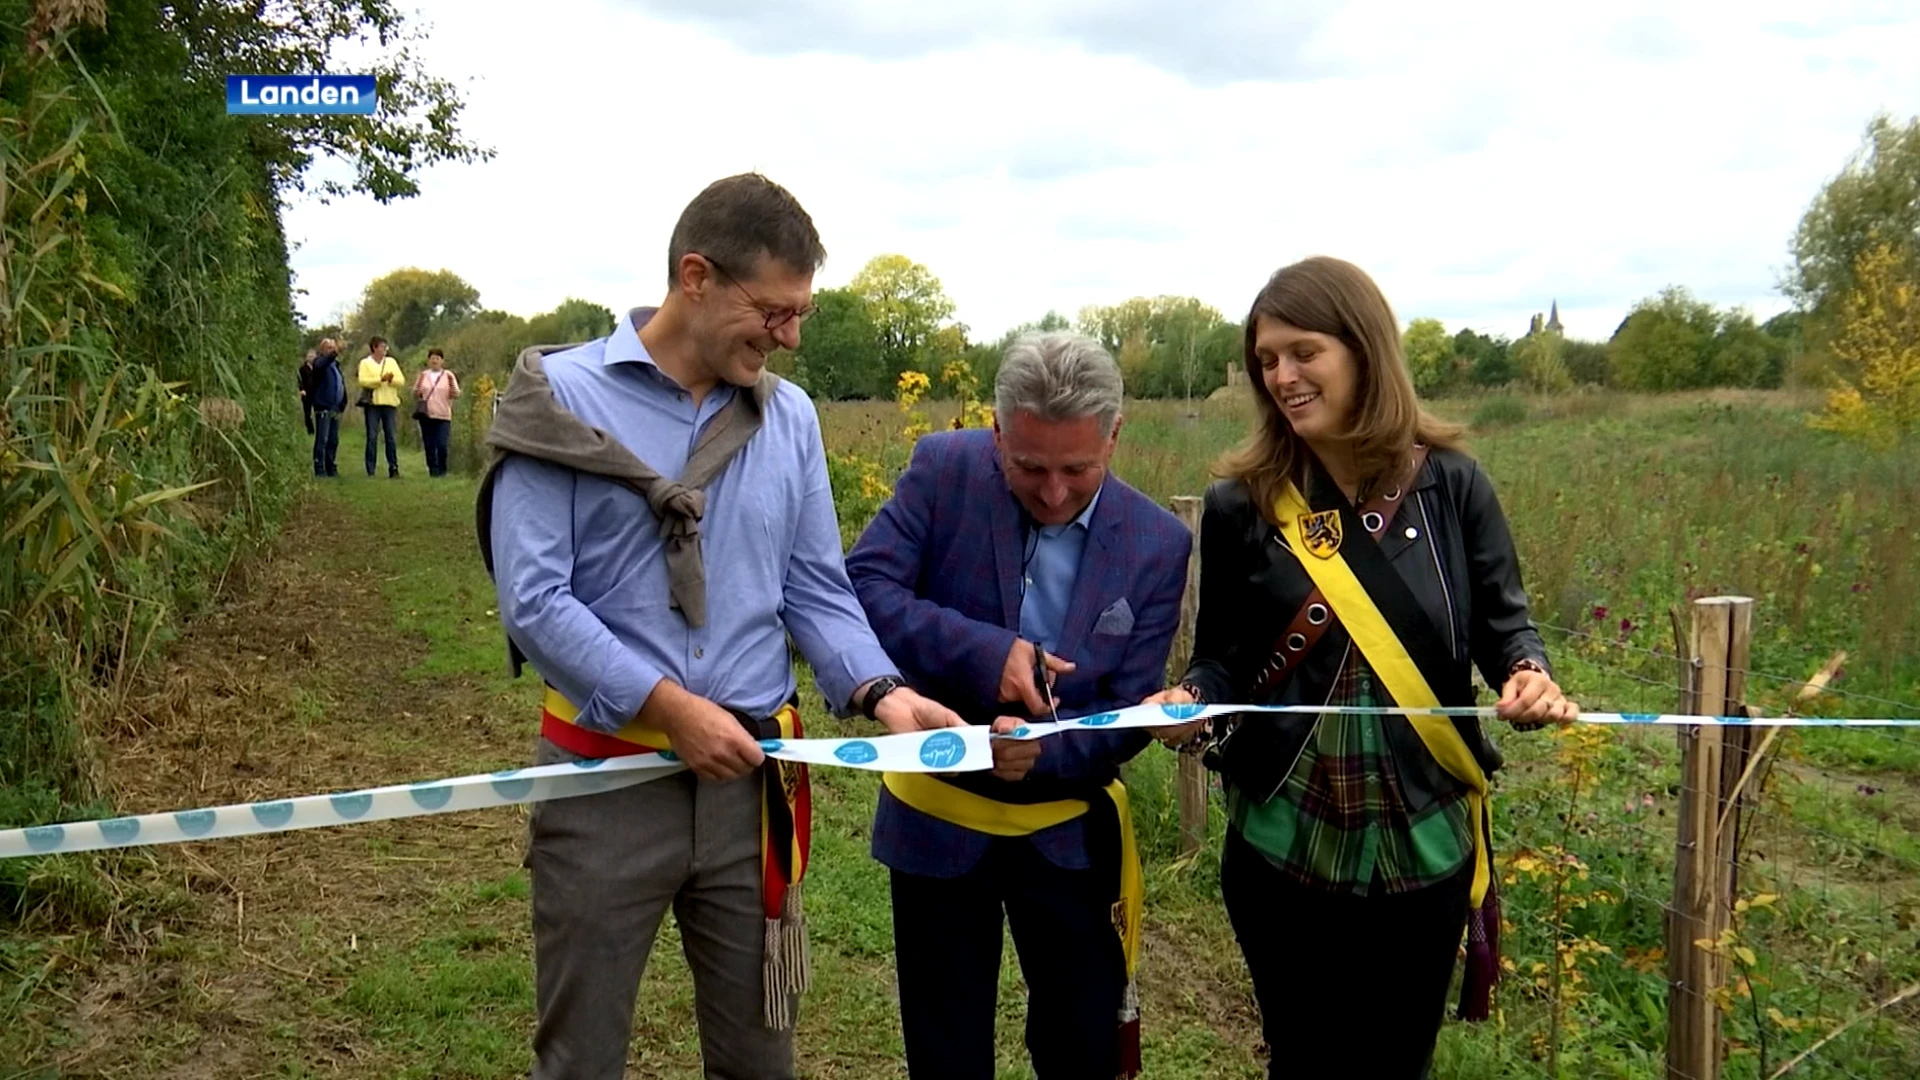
[1110,843]
[1387,625]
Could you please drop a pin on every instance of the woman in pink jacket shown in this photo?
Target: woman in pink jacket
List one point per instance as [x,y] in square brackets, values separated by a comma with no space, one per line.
[433,392]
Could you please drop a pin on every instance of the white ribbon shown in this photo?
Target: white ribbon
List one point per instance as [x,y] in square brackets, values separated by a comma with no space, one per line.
[948,750]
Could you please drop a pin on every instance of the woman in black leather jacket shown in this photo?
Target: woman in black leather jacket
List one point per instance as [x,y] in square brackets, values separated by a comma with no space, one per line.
[1353,555]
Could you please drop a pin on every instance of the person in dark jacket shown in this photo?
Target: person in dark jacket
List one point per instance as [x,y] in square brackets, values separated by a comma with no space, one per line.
[1002,555]
[326,399]
[1353,555]
[305,381]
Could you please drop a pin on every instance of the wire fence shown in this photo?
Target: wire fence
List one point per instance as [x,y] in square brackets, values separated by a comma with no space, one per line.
[1821,956]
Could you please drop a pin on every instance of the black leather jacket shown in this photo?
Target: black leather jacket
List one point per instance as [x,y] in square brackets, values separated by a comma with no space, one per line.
[1451,545]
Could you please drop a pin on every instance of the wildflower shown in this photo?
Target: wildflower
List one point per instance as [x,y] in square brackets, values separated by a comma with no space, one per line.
[1600,613]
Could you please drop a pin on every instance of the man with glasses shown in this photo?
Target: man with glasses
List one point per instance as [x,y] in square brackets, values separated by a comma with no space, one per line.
[658,611]
[1015,578]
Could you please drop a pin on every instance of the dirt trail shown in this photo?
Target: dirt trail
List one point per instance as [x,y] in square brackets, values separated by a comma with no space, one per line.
[292,687]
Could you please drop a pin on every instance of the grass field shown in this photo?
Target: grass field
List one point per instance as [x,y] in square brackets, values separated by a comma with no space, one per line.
[366,651]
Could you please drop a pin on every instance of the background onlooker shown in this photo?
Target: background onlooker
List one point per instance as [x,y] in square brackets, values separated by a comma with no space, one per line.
[380,375]
[434,390]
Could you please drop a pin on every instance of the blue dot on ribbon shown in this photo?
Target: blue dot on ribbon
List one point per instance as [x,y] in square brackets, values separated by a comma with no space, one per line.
[1100,719]
[352,806]
[194,822]
[942,750]
[273,814]
[120,830]
[589,763]
[1182,710]
[513,790]
[1022,732]
[1639,717]
[430,796]
[45,837]
[856,752]
[771,745]
[668,755]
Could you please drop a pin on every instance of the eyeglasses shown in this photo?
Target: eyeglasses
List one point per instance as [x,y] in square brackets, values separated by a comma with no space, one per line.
[775,317]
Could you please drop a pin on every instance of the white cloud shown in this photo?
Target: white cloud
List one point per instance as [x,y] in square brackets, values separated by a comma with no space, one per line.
[1056,153]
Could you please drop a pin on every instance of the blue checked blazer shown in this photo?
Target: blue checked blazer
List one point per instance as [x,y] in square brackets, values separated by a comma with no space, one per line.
[938,572]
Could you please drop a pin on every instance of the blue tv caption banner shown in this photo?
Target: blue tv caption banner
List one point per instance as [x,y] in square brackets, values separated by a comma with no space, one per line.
[324,95]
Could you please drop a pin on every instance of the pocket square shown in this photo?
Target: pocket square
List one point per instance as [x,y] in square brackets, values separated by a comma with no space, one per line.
[1117,620]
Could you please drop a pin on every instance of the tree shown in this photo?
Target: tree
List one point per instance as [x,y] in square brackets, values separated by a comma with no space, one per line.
[1874,201]
[1745,355]
[407,305]
[840,355]
[1135,359]
[1113,326]
[1542,361]
[1186,351]
[1429,353]
[1665,343]
[1587,361]
[1878,334]
[1486,359]
[574,320]
[905,305]
[489,341]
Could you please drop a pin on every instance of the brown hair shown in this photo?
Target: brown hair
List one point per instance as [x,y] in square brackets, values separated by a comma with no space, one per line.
[1333,297]
[736,220]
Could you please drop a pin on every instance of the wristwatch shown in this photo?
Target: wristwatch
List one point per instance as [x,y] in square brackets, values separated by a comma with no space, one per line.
[879,688]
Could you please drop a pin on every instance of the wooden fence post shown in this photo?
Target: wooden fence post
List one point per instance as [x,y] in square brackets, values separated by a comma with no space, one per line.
[1712,760]
[1192,783]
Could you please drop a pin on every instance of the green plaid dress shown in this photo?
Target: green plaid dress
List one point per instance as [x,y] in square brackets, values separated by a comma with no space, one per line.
[1340,822]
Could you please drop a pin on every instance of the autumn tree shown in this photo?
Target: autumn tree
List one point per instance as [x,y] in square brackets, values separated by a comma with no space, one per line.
[1877,334]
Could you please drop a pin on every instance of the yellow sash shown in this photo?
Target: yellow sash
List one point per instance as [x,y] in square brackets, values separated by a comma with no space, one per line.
[1389,660]
[977,812]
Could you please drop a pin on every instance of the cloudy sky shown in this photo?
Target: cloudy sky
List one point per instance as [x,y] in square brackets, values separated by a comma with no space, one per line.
[1480,159]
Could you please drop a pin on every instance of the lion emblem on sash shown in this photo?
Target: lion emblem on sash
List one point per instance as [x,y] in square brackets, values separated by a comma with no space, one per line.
[1320,532]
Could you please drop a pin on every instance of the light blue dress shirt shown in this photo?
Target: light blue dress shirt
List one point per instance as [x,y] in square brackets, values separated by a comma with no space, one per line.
[1047,581]
[581,569]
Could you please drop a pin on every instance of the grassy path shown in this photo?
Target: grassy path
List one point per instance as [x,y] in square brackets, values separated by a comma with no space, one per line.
[365,651]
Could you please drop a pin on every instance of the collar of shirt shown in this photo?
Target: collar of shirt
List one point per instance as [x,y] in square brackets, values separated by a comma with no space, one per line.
[624,347]
[1084,521]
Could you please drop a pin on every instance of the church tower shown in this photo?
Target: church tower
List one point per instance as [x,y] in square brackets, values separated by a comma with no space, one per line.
[1553,320]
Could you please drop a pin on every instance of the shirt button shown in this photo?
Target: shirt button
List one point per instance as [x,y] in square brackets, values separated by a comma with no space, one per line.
[1412,533]
[698,653]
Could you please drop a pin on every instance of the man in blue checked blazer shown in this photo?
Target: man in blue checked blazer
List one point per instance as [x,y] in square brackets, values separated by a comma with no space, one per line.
[1003,554]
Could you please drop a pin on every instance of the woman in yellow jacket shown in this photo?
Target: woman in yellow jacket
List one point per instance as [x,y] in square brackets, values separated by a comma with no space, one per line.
[381,379]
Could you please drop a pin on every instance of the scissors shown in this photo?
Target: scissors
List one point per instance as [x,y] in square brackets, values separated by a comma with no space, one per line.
[1041,684]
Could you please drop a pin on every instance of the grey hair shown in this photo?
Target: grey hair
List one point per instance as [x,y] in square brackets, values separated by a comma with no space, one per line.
[1059,376]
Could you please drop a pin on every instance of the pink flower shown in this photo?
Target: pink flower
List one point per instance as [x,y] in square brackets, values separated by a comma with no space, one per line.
[1600,613]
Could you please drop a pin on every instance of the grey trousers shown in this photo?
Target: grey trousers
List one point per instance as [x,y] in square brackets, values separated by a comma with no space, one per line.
[605,869]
